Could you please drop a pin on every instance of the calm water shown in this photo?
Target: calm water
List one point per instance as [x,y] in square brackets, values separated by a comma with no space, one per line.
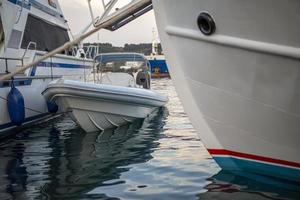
[158,158]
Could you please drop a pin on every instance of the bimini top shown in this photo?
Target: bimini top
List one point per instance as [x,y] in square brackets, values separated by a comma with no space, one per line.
[115,57]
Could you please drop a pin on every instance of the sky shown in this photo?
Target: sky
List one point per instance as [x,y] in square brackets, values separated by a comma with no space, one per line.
[137,31]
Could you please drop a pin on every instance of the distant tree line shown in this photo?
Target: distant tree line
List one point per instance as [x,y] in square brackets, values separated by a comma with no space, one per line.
[144,48]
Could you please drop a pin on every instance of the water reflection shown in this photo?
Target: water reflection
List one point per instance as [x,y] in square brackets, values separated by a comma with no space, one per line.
[159,158]
[79,162]
[93,158]
[24,164]
[240,185]
[16,172]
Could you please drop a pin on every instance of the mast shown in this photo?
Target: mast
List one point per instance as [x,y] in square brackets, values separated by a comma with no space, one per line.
[154,43]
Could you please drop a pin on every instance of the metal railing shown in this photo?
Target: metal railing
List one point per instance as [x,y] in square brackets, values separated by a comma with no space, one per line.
[21,60]
[6,59]
[107,21]
[92,51]
[28,46]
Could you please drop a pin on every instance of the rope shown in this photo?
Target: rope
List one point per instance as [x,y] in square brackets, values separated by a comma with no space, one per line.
[103,23]
[36,111]
[33,110]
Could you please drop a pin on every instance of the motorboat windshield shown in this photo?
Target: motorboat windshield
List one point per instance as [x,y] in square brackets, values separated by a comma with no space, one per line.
[123,69]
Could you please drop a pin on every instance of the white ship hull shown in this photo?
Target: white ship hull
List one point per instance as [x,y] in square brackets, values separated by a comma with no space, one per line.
[240,85]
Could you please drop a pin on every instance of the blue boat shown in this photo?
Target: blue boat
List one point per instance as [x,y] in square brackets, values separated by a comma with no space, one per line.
[157,61]
[158,65]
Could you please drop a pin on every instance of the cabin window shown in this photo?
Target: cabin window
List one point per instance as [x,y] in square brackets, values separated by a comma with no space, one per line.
[15,39]
[47,36]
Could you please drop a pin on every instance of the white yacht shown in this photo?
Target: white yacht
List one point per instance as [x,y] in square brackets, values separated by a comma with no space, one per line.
[28,30]
[121,94]
[35,49]
[236,68]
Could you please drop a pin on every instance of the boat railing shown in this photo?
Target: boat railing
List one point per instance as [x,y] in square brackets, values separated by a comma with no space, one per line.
[134,64]
[6,59]
[92,51]
[108,20]
[74,51]
[30,44]
[20,60]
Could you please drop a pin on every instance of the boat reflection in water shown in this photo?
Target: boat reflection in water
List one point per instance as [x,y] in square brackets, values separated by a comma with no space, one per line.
[141,161]
[242,185]
[79,162]
[92,159]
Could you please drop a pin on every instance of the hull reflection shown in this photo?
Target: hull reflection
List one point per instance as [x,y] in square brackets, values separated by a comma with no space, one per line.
[94,159]
[241,185]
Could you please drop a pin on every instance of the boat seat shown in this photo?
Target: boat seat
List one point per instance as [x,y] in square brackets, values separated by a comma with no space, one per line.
[118,79]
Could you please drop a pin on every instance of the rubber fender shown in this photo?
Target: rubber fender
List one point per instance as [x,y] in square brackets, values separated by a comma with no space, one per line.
[52,107]
[16,106]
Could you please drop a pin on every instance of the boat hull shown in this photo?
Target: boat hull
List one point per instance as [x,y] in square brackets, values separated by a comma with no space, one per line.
[99,107]
[159,68]
[24,40]
[239,86]
[32,86]
[100,115]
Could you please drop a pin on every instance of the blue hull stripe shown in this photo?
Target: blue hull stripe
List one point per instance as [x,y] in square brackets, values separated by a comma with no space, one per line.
[25,82]
[61,65]
[237,164]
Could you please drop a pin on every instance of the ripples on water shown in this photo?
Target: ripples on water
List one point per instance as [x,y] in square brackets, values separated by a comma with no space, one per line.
[158,158]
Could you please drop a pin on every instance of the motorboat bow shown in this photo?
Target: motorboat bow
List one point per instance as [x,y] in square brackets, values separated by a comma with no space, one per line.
[119,95]
[235,66]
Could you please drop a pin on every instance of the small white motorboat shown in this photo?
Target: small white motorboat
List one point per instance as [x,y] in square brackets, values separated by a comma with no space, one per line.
[122,94]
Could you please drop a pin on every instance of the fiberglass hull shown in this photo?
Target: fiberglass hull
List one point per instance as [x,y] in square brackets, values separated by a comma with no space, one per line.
[240,85]
[96,107]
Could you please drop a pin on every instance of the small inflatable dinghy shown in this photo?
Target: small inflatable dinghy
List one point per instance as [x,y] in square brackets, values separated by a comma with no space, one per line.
[119,98]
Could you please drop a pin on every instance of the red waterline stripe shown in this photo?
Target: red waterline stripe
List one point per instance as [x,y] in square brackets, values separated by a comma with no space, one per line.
[253,157]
